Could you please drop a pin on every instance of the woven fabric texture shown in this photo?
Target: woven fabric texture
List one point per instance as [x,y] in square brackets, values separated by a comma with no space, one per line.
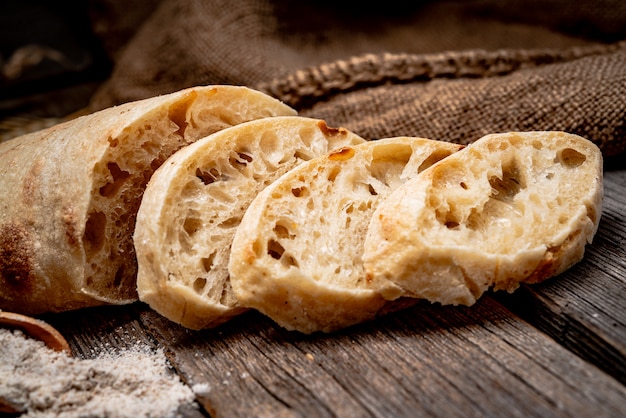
[448,70]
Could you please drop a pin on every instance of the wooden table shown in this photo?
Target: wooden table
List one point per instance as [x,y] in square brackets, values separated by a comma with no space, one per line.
[550,350]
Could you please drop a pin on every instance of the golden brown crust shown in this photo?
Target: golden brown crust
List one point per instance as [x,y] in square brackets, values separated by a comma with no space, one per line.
[16,259]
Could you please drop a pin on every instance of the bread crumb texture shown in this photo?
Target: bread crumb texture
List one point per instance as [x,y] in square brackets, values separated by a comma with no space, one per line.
[135,382]
[297,254]
[195,202]
[123,172]
[510,208]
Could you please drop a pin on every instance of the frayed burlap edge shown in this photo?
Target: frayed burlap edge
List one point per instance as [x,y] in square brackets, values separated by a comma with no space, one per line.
[313,84]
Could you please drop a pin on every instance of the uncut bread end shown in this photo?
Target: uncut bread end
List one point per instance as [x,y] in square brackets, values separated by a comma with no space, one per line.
[296,256]
[194,203]
[69,194]
[509,208]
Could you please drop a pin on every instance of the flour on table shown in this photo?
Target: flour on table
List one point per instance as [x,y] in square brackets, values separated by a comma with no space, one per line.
[122,383]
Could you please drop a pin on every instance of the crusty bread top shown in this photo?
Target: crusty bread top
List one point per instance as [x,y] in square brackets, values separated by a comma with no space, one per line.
[296,255]
[195,201]
[509,208]
[69,194]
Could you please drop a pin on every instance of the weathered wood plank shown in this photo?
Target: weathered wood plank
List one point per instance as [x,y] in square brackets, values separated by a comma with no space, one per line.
[585,308]
[427,360]
[92,331]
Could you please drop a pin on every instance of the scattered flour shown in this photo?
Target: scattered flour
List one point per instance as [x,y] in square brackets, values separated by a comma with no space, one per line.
[128,383]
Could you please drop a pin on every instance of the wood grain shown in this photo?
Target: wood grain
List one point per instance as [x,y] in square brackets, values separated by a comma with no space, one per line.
[424,361]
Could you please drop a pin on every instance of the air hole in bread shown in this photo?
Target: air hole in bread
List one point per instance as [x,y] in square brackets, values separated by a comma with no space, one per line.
[570,158]
[333,173]
[269,143]
[192,225]
[239,160]
[257,248]
[207,262]
[342,154]
[288,261]
[300,191]
[226,297]
[118,176]
[302,155]
[230,222]
[113,142]
[199,284]
[447,212]
[365,206]
[282,231]
[119,276]
[505,188]
[151,147]
[222,194]
[94,235]
[388,162]
[209,176]
[274,249]
[432,159]
[306,134]
[178,113]
[537,144]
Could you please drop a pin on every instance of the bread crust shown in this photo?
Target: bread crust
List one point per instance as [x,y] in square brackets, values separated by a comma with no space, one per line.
[193,204]
[296,255]
[509,208]
[69,194]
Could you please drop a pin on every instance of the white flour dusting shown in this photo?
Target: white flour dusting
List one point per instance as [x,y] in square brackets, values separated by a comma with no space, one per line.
[122,383]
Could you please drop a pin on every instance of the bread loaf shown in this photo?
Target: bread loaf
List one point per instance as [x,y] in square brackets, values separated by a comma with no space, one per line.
[296,255]
[69,194]
[509,208]
[195,201]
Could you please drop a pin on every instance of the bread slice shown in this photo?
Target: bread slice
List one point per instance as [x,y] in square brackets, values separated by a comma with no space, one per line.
[509,208]
[195,201]
[69,194]
[296,256]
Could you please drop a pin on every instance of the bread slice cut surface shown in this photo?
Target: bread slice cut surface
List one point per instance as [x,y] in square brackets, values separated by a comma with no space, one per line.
[509,208]
[296,256]
[194,203]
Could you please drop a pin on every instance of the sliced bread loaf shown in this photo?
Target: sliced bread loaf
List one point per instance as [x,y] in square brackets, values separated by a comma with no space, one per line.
[195,201]
[509,208]
[69,194]
[296,255]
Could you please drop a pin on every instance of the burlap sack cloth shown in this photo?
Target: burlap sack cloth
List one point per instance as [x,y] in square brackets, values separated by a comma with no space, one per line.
[448,70]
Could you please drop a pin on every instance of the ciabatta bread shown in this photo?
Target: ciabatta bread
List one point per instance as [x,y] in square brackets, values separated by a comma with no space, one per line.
[296,255]
[69,194]
[195,201]
[509,208]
